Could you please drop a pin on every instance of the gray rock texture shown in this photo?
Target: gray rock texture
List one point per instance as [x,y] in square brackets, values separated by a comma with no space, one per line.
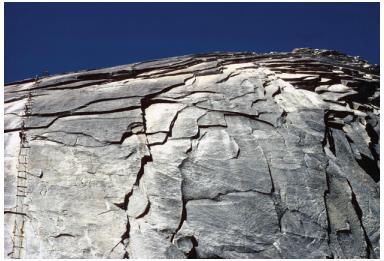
[220,155]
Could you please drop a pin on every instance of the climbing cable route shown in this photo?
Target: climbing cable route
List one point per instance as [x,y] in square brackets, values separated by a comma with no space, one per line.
[21,189]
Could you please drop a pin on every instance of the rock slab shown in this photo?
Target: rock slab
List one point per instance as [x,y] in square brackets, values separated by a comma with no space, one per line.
[221,155]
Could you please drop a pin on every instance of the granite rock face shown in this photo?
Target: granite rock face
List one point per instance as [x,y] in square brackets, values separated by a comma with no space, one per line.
[221,155]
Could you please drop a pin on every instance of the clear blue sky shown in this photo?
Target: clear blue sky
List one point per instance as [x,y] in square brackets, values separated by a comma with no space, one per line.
[61,37]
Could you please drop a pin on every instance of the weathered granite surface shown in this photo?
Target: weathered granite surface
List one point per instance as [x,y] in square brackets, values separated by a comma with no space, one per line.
[221,155]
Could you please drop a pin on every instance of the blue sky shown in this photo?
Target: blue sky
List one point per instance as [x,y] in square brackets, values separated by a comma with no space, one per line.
[61,37]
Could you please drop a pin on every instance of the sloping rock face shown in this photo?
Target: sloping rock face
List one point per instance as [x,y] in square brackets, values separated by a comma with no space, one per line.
[223,155]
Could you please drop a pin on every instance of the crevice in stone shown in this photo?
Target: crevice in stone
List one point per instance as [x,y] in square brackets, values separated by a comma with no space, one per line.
[212,71]
[25,96]
[326,193]
[282,119]
[159,100]
[207,126]
[82,113]
[279,208]
[330,143]
[372,133]
[249,116]
[123,205]
[124,240]
[269,171]
[218,196]
[183,200]
[276,93]
[146,101]
[109,99]
[94,83]
[128,133]
[173,67]
[276,198]
[168,73]
[304,236]
[49,86]
[144,104]
[328,140]
[146,210]
[183,216]
[13,113]
[38,86]
[14,99]
[369,166]
[129,155]
[104,212]
[359,213]
[144,161]
[20,82]
[125,236]
[193,92]
[30,128]
[237,154]
[67,114]
[63,235]
[255,101]
[227,77]
[169,134]
[244,94]
[125,135]
[14,212]
[193,254]
[69,133]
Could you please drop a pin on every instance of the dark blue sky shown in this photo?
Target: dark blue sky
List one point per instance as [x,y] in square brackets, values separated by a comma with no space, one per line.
[61,37]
